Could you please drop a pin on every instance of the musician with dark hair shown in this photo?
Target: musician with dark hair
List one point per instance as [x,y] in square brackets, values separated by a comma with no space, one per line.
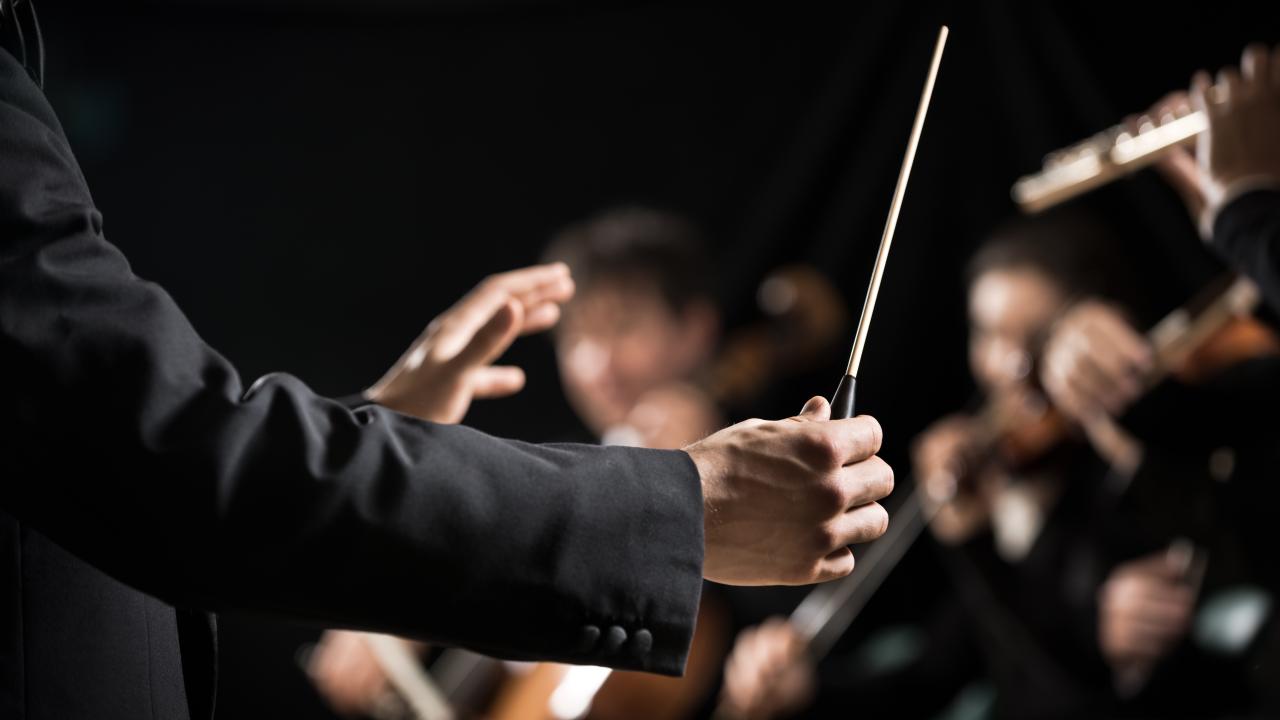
[632,345]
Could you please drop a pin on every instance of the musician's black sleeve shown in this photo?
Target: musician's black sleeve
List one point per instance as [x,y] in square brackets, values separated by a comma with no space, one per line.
[133,444]
[1247,233]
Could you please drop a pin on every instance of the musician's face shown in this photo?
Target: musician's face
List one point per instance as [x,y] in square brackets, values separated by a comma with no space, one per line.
[1008,309]
[619,340]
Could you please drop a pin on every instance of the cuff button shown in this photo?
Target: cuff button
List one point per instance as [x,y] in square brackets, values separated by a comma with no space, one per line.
[588,638]
[642,641]
[614,638]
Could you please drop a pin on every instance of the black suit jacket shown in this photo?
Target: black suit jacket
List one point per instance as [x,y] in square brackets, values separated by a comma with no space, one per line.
[141,484]
[1247,233]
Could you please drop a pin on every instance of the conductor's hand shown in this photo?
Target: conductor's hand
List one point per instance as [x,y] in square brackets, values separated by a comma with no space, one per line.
[451,363]
[783,500]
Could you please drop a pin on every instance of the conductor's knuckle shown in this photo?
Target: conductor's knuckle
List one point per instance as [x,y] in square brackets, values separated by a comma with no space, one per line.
[823,447]
[875,522]
[876,434]
[827,537]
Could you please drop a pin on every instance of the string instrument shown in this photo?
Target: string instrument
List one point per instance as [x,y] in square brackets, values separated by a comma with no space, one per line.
[1213,331]
[805,317]
[1113,153]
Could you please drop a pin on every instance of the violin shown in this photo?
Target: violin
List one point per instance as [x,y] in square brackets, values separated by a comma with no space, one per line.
[1212,332]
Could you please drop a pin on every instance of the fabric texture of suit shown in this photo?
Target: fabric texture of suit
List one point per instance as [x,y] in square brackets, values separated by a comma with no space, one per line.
[1247,233]
[143,486]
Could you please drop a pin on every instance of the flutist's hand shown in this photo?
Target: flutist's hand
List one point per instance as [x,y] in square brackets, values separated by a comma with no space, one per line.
[783,500]
[1241,148]
[451,363]
[768,674]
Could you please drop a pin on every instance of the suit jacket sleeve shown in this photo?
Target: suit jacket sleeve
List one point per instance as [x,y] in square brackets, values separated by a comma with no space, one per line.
[132,443]
[1247,233]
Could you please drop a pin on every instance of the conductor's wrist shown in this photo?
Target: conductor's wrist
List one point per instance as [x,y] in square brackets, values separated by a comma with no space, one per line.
[711,474]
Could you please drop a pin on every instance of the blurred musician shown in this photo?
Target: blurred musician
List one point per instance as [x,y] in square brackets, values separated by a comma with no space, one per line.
[1029,547]
[1207,477]
[635,344]
[1231,185]
[1022,545]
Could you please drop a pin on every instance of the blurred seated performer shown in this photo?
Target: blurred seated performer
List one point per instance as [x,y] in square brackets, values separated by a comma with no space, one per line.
[146,486]
[641,361]
[633,347]
[1028,544]
[1220,577]
[1232,184]
[1022,543]
[1232,188]
[635,344]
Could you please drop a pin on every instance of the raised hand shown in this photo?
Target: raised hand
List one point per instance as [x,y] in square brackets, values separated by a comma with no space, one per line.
[451,363]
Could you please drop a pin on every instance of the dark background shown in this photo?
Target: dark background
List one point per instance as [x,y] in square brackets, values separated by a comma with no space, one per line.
[313,181]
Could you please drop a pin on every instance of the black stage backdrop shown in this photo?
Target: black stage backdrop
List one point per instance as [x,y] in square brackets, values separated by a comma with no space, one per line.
[314,180]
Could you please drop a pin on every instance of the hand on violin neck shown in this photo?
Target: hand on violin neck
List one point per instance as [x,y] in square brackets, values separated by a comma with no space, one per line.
[784,499]
[1094,362]
[946,458]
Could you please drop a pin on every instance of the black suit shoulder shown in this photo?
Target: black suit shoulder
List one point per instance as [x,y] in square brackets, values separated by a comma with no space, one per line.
[1247,233]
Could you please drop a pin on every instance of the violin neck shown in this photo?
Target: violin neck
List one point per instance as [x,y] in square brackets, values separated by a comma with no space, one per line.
[1184,330]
